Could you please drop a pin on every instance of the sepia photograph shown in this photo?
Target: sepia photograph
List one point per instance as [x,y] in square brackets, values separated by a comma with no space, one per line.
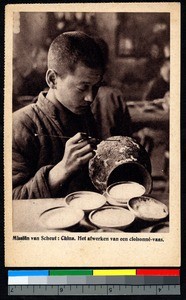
[92,127]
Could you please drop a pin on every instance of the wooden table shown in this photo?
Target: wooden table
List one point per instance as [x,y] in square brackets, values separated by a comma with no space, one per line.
[26,215]
[148,114]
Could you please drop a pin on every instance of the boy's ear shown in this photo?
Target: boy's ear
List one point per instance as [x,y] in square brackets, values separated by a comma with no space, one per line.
[51,78]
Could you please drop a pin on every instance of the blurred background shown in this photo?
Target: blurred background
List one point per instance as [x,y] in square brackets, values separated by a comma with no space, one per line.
[137,50]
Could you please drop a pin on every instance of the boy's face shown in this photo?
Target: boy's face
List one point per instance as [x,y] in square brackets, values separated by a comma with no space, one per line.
[77,90]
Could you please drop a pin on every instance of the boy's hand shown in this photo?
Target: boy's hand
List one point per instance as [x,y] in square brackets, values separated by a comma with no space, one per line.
[78,151]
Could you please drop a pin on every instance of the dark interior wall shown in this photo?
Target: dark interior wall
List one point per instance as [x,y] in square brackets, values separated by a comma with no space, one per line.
[33,33]
[118,66]
[133,73]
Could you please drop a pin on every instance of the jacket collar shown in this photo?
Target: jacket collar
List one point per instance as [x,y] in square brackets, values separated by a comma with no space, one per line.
[63,116]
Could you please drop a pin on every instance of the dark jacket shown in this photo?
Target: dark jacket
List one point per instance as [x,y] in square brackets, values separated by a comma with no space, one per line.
[33,156]
[111,113]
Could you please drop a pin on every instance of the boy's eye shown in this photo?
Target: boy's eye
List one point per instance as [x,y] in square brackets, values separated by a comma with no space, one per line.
[86,87]
[82,89]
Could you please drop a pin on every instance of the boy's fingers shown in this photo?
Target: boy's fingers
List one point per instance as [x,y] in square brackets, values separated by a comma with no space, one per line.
[87,149]
[87,157]
[80,136]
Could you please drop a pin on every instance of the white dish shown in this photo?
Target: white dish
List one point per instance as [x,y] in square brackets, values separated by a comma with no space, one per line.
[148,208]
[85,200]
[111,217]
[61,217]
[120,192]
[106,230]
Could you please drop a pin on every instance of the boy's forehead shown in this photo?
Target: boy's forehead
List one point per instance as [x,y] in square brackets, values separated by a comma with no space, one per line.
[86,74]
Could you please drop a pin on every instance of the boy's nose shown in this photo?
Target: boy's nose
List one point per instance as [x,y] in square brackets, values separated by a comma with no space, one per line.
[89,97]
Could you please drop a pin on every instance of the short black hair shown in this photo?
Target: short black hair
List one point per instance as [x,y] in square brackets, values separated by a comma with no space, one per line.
[70,48]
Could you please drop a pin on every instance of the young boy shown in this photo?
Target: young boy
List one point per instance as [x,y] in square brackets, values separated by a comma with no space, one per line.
[46,163]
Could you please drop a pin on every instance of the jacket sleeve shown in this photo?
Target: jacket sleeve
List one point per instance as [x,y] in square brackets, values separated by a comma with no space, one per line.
[36,187]
[28,182]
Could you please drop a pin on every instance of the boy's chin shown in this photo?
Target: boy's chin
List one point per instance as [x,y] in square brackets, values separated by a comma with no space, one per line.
[80,110]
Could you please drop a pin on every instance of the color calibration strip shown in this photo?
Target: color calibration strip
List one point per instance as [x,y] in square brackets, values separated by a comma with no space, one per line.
[94,281]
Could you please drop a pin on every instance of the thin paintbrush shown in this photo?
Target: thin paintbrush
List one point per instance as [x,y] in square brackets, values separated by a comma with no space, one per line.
[68,137]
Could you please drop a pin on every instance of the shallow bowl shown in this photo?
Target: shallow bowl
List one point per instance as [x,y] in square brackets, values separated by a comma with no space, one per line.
[148,208]
[60,217]
[85,200]
[120,193]
[111,217]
